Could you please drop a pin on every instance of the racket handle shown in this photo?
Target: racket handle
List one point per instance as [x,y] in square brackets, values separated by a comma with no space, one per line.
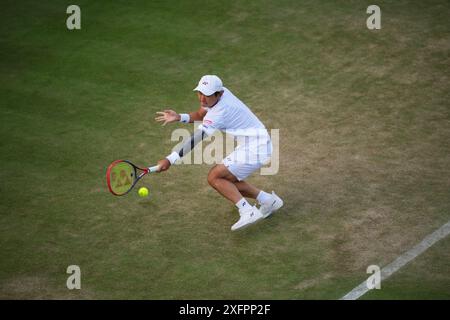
[153,169]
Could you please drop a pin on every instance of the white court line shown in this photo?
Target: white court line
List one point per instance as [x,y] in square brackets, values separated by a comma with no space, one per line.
[387,271]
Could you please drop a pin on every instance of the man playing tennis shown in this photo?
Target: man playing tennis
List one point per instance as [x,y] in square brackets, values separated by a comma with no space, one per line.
[221,110]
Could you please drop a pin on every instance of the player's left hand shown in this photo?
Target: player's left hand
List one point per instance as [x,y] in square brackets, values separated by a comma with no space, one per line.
[163,165]
[167,116]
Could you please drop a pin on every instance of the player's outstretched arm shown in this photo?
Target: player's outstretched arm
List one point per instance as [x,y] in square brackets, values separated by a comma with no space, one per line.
[196,137]
[163,165]
[197,115]
[168,116]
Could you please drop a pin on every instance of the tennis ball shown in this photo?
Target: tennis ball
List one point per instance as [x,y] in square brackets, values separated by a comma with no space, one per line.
[143,192]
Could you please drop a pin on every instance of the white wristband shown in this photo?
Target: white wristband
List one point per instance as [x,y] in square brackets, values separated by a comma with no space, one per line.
[174,156]
[184,117]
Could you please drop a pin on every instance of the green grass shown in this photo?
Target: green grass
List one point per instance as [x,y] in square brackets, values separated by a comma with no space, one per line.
[364,127]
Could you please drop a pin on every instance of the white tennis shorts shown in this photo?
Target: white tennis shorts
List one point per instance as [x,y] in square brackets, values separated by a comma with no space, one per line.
[248,157]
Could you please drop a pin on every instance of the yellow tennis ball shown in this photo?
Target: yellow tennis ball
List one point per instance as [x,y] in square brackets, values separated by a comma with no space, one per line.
[143,192]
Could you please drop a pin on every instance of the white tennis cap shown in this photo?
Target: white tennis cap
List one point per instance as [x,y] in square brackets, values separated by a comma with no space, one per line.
[209,84]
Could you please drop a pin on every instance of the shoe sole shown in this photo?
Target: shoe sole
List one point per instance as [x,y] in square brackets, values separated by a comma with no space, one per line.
[247,225]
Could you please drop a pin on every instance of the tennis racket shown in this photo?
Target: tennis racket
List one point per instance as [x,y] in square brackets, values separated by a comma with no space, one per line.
[122,176]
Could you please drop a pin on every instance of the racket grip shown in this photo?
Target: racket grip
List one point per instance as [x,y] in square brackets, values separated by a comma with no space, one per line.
[153,169]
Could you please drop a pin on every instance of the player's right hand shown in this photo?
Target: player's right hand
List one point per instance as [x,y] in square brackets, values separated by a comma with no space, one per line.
[167,116]
[163,165]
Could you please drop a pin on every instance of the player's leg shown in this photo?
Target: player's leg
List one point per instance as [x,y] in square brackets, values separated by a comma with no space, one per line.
[223,181]
[220,178]
[269,202]
[247,189]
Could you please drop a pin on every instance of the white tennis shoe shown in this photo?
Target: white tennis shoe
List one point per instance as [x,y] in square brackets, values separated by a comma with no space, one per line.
[271,206]
[248,217]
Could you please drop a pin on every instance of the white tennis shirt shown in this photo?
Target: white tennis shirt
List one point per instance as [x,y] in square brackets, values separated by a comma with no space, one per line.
[232,116]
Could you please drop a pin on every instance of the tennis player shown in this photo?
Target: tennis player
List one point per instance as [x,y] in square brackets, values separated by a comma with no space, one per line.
[221,110]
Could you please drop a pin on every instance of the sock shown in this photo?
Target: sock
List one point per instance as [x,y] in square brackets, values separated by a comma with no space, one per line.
[264,197]
[243,204]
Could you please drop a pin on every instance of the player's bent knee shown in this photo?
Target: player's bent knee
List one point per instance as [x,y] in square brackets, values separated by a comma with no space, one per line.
[210,180]
[212,177]
[220,172]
